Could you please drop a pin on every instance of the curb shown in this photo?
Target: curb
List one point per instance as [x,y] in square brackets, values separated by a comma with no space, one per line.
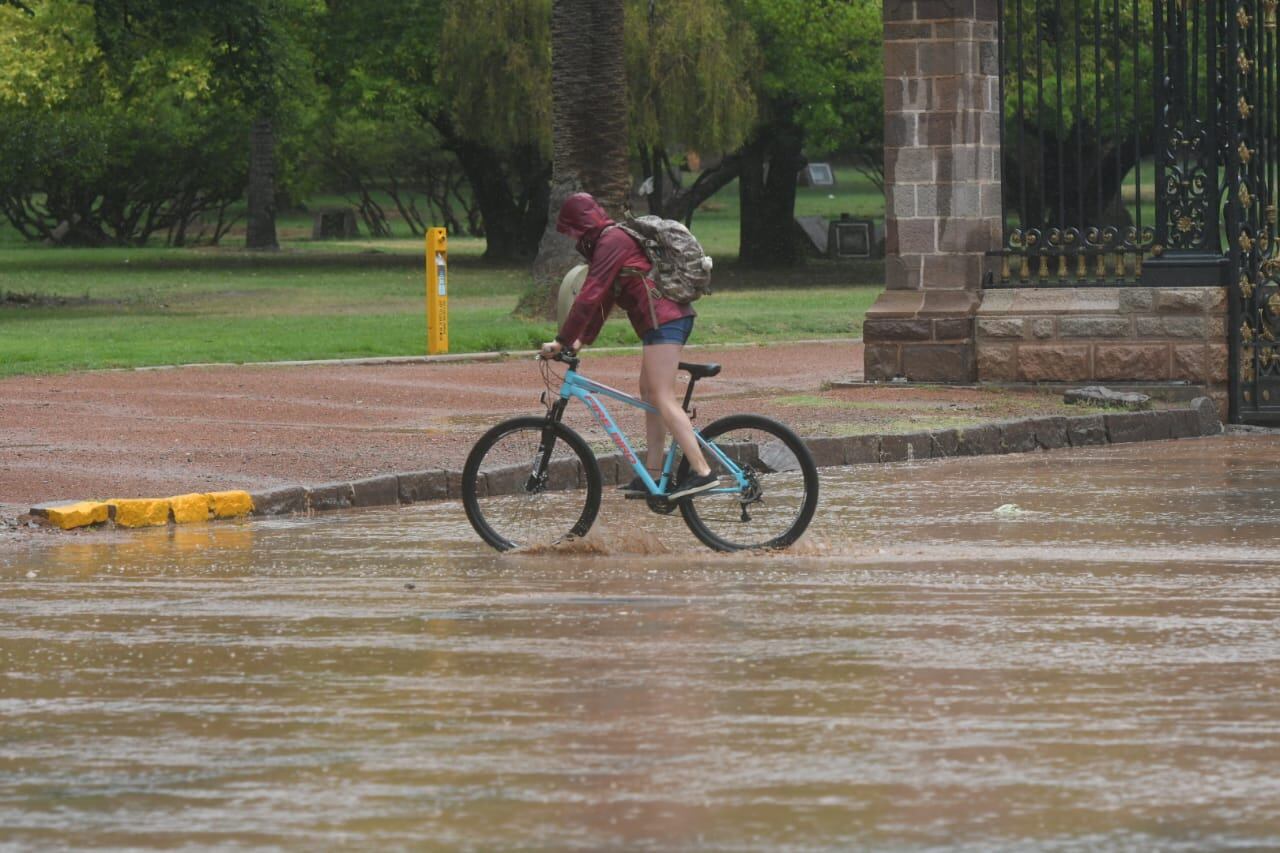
[1199,419]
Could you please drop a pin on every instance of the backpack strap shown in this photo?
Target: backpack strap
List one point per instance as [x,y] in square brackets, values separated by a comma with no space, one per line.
[632,272]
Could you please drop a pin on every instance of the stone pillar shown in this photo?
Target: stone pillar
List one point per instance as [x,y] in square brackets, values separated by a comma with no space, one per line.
[942,187]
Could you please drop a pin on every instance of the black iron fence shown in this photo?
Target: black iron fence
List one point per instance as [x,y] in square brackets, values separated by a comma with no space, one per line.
[1077,85]
[1119,141]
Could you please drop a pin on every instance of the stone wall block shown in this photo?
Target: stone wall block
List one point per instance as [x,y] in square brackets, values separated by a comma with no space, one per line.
[899,10]
[861,449]
[899,273]
[900,59]
[281,501]
[1086,431]
[1190,300]
[901,130]
[945,442]
[951,271]
[1218,363]
[953,329]
[453,479]
[881,362]
[1191,362]
[562,474]
[1094,327]
[827,451]
[1001,327]
[1053,363]
[997,362]
[1123,427]
[1184,423]
[1186,327]
[1017,437]
[971,234]
[1050,432]
[614,469]
[376,491]
[1149,327]
[1042,328]
[1134,299]
[1207,413]
[917,236]
[980,440]
[908,165]
[902,203]
[1131,362]
[906,448]
[431,485]
[892,329]
[939,362]
[330,496]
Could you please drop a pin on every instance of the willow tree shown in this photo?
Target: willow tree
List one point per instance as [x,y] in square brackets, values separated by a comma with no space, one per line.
[493,112]
[589,127]
[689,71]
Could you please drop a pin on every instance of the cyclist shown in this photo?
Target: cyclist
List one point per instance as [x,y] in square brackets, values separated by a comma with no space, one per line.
[616,268]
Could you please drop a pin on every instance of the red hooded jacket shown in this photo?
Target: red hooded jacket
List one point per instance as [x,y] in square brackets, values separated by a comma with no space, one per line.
[608,250]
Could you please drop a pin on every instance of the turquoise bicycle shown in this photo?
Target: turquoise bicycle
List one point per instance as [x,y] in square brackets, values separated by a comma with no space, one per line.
[533,481]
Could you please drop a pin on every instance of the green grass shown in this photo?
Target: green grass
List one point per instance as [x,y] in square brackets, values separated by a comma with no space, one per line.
[68,309]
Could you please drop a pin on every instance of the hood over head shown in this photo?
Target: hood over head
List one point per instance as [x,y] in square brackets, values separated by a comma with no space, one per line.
[581,220]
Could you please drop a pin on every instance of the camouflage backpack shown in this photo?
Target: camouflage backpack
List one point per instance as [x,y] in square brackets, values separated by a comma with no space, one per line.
[681,269]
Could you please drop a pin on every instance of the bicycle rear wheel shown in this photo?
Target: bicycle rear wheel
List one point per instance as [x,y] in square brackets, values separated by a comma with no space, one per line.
[519,491]
[780,497]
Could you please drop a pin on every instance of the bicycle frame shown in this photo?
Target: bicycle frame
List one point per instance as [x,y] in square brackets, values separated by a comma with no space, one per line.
[589,392]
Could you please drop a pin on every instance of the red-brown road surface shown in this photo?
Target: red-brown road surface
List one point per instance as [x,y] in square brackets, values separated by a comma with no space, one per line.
[155,433]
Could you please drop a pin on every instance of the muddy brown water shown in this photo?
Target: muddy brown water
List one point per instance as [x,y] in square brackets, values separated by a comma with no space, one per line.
[1096,668]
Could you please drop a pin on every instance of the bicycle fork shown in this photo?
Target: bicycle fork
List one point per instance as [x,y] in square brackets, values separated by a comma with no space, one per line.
[542,459]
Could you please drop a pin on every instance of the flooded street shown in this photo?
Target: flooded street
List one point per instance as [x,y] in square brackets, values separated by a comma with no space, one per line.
[1064,651]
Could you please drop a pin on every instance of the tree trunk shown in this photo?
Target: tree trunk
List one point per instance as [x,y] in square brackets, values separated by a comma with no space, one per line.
[770,162]
[589,131]
[512,225]
[260,231]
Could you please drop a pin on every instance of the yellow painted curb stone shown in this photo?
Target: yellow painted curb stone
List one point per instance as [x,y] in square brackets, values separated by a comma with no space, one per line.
[142,512]
[190,508]
[81,514]
[230,504]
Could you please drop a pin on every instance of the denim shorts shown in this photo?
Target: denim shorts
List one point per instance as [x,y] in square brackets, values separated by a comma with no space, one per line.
[671,332]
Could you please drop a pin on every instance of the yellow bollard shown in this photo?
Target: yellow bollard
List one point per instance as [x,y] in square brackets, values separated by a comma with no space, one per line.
[437,291]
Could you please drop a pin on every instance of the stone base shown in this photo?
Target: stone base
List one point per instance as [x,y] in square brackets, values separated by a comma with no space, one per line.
[922,336]
[1104,335]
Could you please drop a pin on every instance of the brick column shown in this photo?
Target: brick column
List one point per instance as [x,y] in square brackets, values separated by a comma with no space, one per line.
[942,187]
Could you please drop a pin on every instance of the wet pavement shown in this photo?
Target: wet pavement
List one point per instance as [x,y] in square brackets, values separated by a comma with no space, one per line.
[1065,651]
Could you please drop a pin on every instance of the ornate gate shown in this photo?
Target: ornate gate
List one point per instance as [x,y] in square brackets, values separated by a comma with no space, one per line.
[1093,88]
[1252,186]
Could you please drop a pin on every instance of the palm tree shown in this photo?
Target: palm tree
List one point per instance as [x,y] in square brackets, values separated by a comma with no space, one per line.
[260,230]
[589,129]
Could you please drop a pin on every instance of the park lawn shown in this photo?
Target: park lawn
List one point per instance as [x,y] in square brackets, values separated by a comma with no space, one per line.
[69,309]
[128,308]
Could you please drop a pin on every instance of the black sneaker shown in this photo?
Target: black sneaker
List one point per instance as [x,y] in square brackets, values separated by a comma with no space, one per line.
[635,488]
[695,484]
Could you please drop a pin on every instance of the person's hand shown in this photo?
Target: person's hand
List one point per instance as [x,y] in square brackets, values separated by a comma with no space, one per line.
[551,349]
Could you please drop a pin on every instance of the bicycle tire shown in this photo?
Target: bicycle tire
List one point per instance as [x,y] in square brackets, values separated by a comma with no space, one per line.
[783,471]
[500,470]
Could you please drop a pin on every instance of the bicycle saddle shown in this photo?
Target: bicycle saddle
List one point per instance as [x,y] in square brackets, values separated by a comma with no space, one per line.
[699,371]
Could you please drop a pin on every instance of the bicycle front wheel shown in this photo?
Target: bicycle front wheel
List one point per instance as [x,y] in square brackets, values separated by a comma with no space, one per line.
[777,501]
[528,482]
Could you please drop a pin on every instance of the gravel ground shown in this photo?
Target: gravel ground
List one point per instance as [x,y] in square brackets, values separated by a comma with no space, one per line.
[154,433]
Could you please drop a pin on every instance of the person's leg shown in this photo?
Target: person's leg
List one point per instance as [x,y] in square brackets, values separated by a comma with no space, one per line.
[655,430]
[657,386]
